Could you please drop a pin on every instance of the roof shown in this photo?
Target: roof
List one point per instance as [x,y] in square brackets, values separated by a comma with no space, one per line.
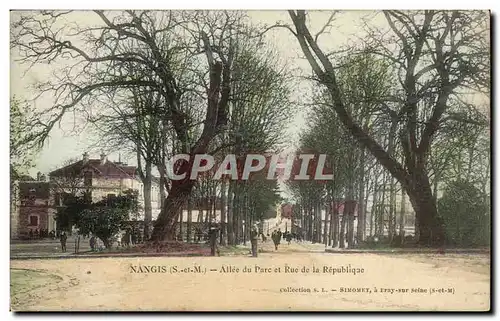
[39,189]
[108,169]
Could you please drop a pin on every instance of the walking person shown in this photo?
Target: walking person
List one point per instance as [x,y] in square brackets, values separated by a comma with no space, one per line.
[92,243]
[274,237]
[212,236]
[279,235]
[254,236]
[63,240]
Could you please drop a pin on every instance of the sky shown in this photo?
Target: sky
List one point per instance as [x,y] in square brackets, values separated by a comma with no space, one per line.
[64,144]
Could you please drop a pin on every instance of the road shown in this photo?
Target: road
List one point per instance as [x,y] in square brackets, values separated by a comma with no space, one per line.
[106,284]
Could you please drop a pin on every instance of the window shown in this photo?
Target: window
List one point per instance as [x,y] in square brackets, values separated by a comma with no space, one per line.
[33,220]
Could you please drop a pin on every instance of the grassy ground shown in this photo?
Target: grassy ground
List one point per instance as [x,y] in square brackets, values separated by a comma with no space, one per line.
[23,282]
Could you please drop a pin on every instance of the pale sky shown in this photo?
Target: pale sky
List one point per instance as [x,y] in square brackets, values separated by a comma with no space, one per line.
[63,145]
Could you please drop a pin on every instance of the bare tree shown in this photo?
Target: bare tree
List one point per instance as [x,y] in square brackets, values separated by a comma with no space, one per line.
[438,54]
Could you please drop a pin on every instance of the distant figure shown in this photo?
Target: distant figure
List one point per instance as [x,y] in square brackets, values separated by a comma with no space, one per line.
[125,240]
[199,234]
[288,237]
[31,234]
[274,237]
[212,234]
[63,239]
[254,236]
[37,234]
[280,234]
[92,243]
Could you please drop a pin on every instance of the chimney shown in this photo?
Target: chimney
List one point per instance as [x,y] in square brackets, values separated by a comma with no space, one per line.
[85,157]
[38,176]
[103,158]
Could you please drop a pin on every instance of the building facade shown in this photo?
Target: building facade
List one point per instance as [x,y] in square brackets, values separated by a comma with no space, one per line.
[34,203]
[35,212]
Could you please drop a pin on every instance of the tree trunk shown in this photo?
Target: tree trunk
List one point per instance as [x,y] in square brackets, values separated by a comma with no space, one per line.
[402,216]
[181,218]
[336,217]
[230,216]
[430,229]
[310,223]
[349,207]
[392,210]
[342,234]
[326,224]
[163,181]
[189,219]
[381,212]
[148,212]
[165,224]
[361,229]
[373,212]
[223,214]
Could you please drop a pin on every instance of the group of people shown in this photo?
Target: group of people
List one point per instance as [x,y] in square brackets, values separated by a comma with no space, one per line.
[41,234]
[130,237]
[277,235]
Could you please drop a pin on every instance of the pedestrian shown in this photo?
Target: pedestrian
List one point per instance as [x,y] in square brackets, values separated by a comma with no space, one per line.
[212,234]
[274,236]
[64,238]
[92,243]
[280,234]
[254,236]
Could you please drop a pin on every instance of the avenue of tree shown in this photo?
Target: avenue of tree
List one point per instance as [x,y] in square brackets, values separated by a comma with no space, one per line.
[395,113]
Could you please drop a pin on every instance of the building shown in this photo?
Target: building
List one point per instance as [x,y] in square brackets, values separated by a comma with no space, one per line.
[101,179]
[34,203]
[35,212]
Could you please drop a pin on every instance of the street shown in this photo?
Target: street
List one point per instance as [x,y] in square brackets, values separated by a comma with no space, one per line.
[386,282]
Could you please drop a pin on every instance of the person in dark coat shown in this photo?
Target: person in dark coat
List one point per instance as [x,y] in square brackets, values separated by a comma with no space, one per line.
[92,242]
[274,237]
[280,234]
[254,236]
[63,240]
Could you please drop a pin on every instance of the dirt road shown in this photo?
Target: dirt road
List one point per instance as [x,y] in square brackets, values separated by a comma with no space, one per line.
[381,282]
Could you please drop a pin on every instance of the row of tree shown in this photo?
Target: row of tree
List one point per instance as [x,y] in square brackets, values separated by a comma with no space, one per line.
[394,117]
[393,111]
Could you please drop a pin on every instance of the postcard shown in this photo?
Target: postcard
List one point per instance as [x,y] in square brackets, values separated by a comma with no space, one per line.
[301,160]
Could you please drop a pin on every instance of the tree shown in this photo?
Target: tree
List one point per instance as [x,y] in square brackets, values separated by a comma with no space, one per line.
[134,124]
[466,215]
[68,179]
[103,219]
[438,54]
[22,149]
[97,61]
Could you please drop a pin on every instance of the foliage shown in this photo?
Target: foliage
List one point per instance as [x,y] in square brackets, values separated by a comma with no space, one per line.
[102,219]
[466,215]
[21,149]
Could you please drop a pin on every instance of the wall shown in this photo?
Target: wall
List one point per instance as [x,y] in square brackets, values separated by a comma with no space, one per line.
[40,209]
[14,210]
